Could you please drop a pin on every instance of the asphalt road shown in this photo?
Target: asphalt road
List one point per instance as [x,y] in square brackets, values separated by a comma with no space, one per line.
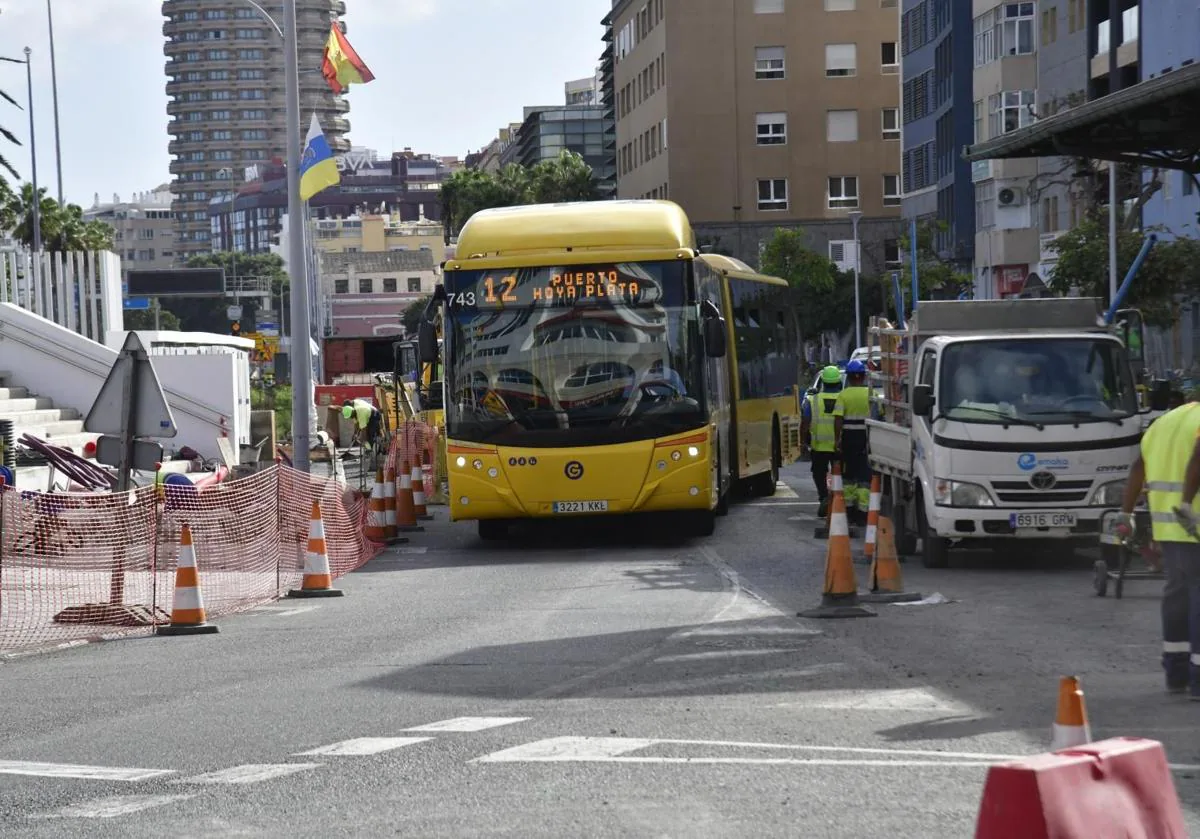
[586,681]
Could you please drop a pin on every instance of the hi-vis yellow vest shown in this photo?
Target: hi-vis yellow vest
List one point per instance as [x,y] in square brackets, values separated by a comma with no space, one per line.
[1166,448]
[823,437]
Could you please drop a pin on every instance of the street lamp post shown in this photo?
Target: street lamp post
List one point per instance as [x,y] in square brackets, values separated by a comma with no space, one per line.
[36,206]
[855,215]
[54,91]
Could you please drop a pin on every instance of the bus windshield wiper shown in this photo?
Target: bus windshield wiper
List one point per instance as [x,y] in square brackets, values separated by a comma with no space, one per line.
[1008,419]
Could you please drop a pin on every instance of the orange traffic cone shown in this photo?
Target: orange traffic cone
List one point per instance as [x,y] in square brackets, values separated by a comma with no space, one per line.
[833,481]
[418,491]
[187,607]
[406,514]
[318,579]
[1070,727]
[887,585]
[872,537]
[377,511]
[389,501]
[840,597]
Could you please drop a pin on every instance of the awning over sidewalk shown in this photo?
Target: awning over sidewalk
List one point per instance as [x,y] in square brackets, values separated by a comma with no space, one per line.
[1153,123]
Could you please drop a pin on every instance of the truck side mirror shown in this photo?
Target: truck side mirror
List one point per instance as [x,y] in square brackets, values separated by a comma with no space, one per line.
[922,400]
[427,342]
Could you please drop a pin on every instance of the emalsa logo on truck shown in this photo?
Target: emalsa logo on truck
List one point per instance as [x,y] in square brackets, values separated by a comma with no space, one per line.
[1029,461]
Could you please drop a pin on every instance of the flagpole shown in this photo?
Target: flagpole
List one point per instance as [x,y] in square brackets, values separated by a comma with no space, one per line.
[301,344]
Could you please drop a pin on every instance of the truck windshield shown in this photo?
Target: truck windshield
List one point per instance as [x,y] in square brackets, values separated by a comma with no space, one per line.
[1043,380]
[572,354]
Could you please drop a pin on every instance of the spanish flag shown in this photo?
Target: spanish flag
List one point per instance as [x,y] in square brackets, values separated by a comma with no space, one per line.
[318,168]
[342,67]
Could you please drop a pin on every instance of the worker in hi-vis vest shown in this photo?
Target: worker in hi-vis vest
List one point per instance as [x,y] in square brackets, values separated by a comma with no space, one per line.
[368,420]
[817,431]
[850,430]
[1169,471]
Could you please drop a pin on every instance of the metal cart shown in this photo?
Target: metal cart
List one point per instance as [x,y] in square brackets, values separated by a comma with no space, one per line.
[1119,553]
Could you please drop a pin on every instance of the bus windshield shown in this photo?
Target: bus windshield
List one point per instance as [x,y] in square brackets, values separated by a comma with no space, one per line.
[1044,380]
[572,354]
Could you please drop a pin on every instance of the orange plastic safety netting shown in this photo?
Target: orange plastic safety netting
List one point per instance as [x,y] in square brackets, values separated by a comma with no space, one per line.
[76,566]
[417,443]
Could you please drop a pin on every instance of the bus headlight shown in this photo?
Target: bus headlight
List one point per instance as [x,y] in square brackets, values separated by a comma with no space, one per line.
[1109,495]
[693,451]
[478,464]
[461,462]
[493,472]
[675,455]
[960,494]
[662,464]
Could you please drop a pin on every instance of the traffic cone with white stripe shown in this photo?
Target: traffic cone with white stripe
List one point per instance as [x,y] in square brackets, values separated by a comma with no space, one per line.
[887,584]
[418,491]
[406,513]
[187,608]
[376,529]
[389,501]
[1070,727]
[872,537]
[840,596]
[318,579]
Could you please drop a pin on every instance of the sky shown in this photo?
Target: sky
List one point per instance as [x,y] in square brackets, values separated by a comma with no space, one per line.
[448,74]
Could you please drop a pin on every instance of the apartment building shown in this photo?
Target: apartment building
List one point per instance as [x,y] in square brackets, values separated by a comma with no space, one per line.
[143,227]
[379,233]
[936,102]
[762,114]
[547,132]
[1007,242]
[226,98]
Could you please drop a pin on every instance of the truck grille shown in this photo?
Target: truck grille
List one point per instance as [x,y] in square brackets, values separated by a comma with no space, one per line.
[1021,492]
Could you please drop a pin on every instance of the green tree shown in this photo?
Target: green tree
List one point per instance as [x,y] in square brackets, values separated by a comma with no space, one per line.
[466,192]
[412,314]
[144,319]
[823,296]
[1169,275]
[935,277]
[8,136]
[63,228]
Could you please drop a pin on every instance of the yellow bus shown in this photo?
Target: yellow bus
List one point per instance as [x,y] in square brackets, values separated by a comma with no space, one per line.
[596,363]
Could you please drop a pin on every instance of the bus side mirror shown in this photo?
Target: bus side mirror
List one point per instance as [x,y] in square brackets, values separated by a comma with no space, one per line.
[427,342]
[714,337]
[922,400]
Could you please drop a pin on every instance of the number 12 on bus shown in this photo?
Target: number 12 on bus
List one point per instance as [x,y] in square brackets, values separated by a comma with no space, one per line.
[649,379]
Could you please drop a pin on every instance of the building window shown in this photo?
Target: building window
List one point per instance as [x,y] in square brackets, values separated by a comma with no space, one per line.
[1009,111]
[843,192]
[979,138]
[1003,31]
[1050,214]
[414,284]
[889,57]
[840,5]
[841,60]
[985,205]
[771,129]
[365,285]
[891,123]
[841,126]
[1049,25]
[891,253]
[341,286]
[389,285]
[891,190]
[769,63]
[773,194]
[768,7]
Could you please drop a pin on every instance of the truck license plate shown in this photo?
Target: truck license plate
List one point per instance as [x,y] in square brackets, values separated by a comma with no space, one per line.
[1033,521]
[580,507]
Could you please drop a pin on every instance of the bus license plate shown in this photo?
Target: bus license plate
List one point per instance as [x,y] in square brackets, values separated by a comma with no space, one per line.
[1033,521]
[580,507]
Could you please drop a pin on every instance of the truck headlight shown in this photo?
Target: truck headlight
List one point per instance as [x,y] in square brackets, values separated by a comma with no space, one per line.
[1109,495]
[960,494]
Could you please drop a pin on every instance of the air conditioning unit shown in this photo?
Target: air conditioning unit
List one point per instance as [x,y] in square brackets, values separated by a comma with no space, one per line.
[1010,196]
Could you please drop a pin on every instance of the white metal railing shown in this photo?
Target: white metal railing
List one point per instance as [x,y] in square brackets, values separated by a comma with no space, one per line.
[79,291]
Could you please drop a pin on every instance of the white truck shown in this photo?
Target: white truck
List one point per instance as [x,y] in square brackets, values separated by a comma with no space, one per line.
[1021,421]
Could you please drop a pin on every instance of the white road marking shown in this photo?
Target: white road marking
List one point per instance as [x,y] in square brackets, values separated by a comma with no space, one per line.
[778,504]
[665,659]
[363,746]
[283,611]
[414,549]
[111,808]
[88,773]
[782,490]
[467,724]
[902,699]
[617,749]
[250,773]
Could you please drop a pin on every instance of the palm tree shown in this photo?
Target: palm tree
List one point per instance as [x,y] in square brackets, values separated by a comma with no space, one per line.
[63,228]
[8,135]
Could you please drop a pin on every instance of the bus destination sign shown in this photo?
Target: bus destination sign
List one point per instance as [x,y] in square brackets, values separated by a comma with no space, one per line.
[558,289]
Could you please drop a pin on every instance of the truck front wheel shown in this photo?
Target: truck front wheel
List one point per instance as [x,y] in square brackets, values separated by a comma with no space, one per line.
[935,551]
